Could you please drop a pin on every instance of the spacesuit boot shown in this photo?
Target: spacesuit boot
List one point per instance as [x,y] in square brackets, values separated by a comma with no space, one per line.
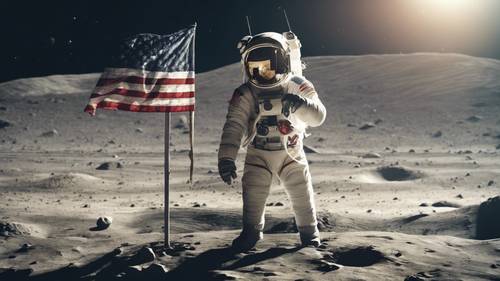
[309,236]
[247,239]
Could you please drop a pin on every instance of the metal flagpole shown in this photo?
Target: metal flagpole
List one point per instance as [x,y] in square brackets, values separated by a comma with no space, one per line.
[191,119]
[191,144]
[166,173]
[166,169]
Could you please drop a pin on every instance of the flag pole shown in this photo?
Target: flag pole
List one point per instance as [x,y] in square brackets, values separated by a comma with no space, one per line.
[166,173]
[191,144]
[191,119]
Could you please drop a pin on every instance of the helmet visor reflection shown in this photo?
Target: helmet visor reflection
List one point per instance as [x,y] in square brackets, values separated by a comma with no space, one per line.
[261,69]
[265,64]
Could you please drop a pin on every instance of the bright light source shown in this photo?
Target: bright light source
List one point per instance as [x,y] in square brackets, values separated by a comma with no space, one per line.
[451,6]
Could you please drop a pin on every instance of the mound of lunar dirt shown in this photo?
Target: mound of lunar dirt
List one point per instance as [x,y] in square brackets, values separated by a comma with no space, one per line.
[10,229]
[444,203]
[54,84]
[488,219]
[393,173]
[109,166]
[66,181]
[460,222]
[186,220]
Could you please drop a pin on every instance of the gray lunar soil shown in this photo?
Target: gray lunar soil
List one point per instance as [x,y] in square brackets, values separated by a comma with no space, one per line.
[406,172]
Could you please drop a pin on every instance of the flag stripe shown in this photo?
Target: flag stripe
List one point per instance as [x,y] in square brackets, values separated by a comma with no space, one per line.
[144,101]
[145,88]
[124,72]
[139,108]
[144,80]
[151,95]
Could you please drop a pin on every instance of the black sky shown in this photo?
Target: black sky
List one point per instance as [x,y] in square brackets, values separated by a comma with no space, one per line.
[58,37]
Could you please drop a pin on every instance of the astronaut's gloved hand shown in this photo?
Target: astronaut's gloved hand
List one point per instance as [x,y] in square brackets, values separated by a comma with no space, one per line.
[227,170]
[290,103]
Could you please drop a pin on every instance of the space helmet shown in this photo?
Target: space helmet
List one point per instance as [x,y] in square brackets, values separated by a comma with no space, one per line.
[265,59]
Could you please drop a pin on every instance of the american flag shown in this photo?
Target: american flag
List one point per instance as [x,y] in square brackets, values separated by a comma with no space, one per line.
[149,73]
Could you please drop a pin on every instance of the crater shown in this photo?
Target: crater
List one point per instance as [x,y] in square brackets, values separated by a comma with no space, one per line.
[391,173]
[358,257]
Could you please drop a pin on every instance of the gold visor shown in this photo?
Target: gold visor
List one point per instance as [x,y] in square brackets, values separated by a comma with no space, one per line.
[263,68]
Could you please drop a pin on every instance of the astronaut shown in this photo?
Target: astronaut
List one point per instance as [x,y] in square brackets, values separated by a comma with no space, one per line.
[269,114]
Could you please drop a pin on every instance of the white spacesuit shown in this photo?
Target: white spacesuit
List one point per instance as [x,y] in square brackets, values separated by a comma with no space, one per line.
[272,110]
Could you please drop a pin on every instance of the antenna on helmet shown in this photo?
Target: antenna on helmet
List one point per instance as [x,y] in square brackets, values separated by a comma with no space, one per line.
[294,48]
[287,22]
[248,24]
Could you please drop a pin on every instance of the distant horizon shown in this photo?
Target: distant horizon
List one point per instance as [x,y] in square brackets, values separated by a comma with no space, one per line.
[308,57]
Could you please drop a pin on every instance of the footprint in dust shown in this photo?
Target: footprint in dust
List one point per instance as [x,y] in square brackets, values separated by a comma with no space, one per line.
[325,266]
[421,276]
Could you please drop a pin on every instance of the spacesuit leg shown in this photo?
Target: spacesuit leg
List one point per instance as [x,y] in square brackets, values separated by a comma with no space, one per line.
[256,183]
[296,178]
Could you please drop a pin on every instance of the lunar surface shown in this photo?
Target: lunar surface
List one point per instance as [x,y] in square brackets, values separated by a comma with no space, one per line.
[406,173]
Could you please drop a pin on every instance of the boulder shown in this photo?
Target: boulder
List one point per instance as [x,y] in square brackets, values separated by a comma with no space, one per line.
[4,124]
[103,222]
[487,226]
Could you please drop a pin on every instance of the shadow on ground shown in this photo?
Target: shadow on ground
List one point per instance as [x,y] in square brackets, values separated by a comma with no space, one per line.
[202,267]
[114,266]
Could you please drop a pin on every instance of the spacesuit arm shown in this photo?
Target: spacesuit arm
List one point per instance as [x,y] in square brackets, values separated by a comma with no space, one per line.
[312,111]
[236,126]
